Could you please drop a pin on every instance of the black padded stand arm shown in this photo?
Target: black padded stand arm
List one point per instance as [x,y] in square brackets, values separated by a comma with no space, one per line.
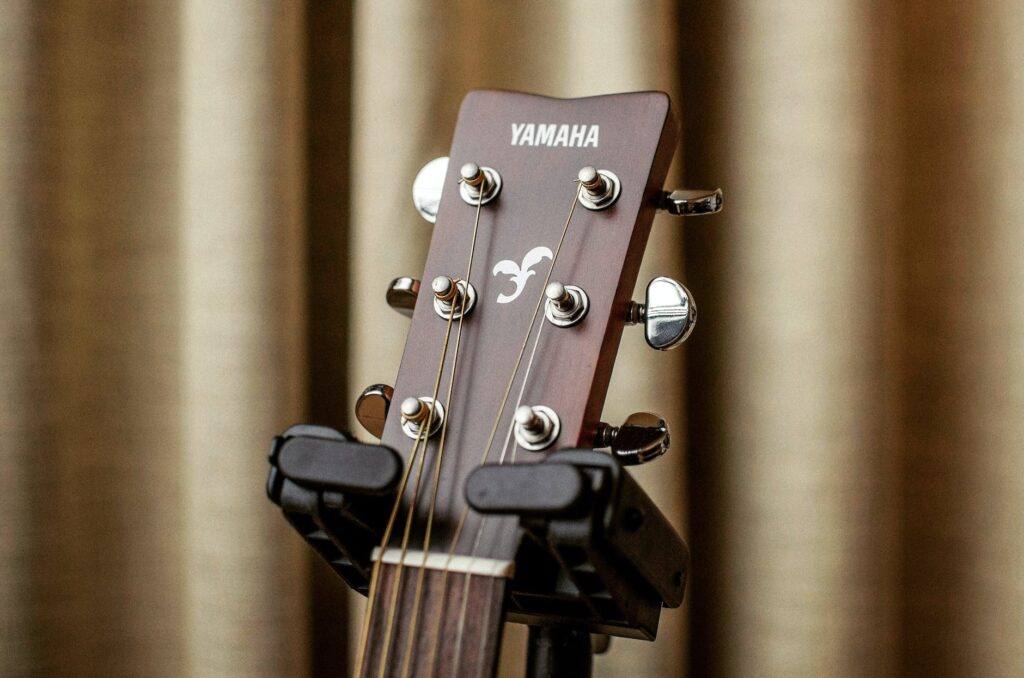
[337,493]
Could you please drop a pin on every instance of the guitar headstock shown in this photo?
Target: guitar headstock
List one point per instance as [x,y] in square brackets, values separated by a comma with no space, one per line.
[541,218]
[539,226]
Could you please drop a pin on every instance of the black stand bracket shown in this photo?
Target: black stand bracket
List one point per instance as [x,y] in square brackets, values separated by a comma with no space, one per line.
[596,557]
[597,554]
[337,493]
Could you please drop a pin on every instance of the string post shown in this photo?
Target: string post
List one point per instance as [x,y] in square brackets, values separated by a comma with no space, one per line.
[472,175]
[601,188]
[536,426]
[593,183]
[478,185]
[565,305]
[417,413]
[444,288]
[453,298]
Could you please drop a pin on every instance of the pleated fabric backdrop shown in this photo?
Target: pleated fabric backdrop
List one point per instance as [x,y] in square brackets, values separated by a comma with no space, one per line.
[152,337]
[855,395]
[200,205]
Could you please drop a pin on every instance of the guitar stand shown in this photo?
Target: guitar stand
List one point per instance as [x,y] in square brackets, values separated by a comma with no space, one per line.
[597,556]
[337,493]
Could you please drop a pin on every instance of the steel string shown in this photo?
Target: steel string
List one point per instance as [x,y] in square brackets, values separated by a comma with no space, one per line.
[490,441]
[412,505]
[440,451]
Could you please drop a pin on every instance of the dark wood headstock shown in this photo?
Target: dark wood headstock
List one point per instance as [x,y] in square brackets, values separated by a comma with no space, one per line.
[569,369]
[601,253]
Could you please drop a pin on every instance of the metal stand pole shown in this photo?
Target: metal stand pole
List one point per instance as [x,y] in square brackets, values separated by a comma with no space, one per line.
[558,653]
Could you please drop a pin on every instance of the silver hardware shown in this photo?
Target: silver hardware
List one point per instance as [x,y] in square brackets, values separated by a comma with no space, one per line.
[448,297]
[416,412]
[565,305]
[428,186]
[691,203]
[601,188]
[372,407]
[536,426]
[402,293]
[668,314]
[641,438]
[478,185]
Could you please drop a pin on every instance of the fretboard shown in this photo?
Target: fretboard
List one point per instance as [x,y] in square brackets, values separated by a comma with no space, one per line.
[454,630]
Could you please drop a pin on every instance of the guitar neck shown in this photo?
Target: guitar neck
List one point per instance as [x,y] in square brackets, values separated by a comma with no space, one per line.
[439,623]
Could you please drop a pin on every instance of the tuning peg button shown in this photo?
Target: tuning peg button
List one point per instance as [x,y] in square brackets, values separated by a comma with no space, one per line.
[428,186]
[668,314]
[641,438]
[402,293]
[372,407]
[691,203]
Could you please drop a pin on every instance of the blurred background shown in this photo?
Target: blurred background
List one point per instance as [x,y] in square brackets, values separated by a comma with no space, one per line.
[202,201]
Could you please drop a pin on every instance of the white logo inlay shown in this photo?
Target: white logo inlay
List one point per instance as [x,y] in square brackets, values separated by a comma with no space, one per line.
[553,135]
[520,273]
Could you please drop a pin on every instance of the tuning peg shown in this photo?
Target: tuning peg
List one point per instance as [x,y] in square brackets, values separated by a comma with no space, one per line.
[372,408]
[691,203]
[668,314]
[427,187]
[641,438]
[402,293]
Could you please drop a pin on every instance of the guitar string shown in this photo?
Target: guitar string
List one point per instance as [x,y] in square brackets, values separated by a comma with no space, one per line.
[375,569]
[490,440]
[389,624]
[483,520]
[419,445]
[440,451]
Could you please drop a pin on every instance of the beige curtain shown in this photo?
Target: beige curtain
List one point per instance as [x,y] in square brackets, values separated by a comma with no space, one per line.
[200,204]
[856,438]
[151,338]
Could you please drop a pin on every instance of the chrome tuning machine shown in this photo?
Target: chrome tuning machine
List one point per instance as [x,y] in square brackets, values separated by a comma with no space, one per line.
[402,293]
[428,186]
[599,188]
[372,407]
[668,313]
[478,185]
[536,427]
[641,438]
[691,203]
[421,415]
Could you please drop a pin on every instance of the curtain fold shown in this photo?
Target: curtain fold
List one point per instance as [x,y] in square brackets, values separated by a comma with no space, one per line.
[242,362]
[854,400]
[791,468]
[962,300]
[151,337]
[90,341]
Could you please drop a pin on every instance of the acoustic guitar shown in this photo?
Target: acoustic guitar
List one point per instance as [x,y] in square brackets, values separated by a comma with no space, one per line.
[497,493]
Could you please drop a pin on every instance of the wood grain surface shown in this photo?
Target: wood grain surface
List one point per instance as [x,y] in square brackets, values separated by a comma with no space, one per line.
[567,369]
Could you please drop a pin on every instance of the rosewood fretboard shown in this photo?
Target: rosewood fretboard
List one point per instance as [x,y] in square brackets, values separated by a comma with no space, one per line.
[455,632]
